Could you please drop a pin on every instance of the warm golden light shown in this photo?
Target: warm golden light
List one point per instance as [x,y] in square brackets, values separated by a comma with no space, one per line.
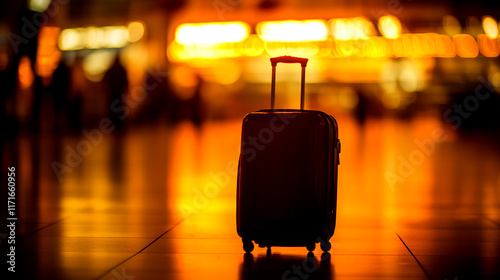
[465,45]
[424,44]
[302,49]
[135,31]
[179,52]
[487,46]
[490,27]
[340,29]
[292,30]
[95,37]
[211,33]
[363,28]
[48,55]
[254,46]
[115,36]
[25,74]
[340,38]
[183,77]
[389,26]
[444,46]
[345,48]
[70,39]
[451,25]
[96,64]
[377,48]
[38,5]
[402,46]
[355,28]
[473,26]
[227,73]
[410,78]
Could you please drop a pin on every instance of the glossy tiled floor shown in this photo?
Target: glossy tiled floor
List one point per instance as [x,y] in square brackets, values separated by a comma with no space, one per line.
[159,203]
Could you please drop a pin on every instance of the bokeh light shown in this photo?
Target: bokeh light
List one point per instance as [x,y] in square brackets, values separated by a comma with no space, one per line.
[135,31]
[451,25]
[92,37]
[97,63]
[211,33]
[444,46]
[465,45]
[490,27]
[488,46]
[389,26]
[25,73]
[70,39]
[48,55]
[254,46]
[292,30]
[39,5]
[351,28]
[474,27]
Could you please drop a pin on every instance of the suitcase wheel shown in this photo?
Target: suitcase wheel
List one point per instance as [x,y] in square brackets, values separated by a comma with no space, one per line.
[326,246]
[311,246]
[247,245]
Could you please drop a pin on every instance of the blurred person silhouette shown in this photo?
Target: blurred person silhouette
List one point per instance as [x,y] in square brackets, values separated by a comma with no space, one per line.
[116,82]
[77,88]
[470,114]
[8,81]
[59,88]
[196,102]
[361,109]
[158,103]
[28,47]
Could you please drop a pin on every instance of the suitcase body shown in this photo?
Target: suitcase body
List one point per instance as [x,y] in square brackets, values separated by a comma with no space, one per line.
[287,179]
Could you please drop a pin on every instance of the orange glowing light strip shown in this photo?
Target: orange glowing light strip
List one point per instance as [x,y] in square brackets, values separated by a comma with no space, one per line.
[211,33]
[345,37]
[293,30]
[100,37]
[406,45]
[47,53]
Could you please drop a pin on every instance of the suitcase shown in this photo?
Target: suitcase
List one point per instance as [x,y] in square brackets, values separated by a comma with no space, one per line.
[287,174]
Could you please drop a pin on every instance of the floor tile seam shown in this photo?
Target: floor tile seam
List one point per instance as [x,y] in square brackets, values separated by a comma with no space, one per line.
[50,224]
[414,257]
[140,251]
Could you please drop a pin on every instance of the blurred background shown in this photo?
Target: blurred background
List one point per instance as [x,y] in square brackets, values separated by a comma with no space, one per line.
[64,63]
[117,110]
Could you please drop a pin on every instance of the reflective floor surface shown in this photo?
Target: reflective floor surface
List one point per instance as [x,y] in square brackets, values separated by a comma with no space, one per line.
[415,201]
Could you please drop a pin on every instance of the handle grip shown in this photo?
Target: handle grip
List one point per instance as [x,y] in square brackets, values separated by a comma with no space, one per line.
[288,59]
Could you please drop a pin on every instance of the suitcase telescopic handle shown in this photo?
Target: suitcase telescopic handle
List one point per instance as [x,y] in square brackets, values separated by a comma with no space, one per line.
[288,59]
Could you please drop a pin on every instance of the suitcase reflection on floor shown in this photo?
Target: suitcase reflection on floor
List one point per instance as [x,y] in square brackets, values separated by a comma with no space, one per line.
[277,266]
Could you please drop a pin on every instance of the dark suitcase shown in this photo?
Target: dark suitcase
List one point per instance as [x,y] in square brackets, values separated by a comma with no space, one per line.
[287,179]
